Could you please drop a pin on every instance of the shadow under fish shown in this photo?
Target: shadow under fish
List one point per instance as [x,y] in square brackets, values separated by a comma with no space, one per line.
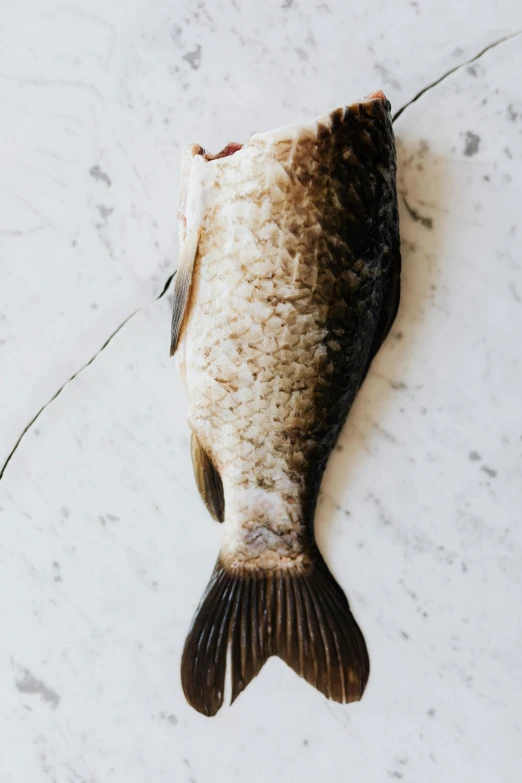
[288,283]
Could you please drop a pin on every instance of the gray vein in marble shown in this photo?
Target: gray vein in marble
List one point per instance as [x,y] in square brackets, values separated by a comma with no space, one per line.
[513,289]
[40,81]
[101,176]
[454,70]
[31,207]
[105,211]
[387,77]
[472,143]
[31,684]
[193,58]
[81,369]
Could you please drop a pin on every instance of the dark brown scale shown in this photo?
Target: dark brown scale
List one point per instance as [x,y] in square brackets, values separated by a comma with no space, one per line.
[359,260]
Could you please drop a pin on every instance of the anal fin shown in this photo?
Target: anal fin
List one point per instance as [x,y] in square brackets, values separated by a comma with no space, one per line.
[208,480]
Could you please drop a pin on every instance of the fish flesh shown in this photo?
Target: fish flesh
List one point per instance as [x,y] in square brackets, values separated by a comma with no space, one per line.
[288,283]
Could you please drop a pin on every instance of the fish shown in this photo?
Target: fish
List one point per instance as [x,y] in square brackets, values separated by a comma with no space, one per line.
[288,282]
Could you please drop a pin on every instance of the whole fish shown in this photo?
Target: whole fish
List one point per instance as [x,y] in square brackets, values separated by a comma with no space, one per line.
[287,285]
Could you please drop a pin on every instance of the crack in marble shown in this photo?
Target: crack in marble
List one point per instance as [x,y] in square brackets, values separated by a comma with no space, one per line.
[396,116]
[81,369]
[453,70]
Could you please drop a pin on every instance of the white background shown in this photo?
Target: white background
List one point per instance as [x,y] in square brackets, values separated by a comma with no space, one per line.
[105,546]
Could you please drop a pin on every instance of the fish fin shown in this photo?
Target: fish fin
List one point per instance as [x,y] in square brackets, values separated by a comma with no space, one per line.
[208,480]
[183,285]
[303,617]
[187,154]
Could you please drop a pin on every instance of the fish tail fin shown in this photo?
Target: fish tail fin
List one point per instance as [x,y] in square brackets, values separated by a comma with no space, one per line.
[301,616]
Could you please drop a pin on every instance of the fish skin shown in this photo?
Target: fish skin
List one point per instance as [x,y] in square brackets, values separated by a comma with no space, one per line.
[288,283]
[295,286]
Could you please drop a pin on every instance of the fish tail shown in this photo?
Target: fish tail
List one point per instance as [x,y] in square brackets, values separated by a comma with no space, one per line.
[301,616]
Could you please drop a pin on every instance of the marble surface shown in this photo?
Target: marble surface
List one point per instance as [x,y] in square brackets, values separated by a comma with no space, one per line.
[106,546]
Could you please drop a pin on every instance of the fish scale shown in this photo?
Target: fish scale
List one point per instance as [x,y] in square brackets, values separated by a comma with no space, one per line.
[288,284]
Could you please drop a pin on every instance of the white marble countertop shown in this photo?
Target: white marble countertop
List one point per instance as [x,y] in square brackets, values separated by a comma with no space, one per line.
[105,546]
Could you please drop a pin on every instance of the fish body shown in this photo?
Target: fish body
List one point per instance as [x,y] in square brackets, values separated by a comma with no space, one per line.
[288,284]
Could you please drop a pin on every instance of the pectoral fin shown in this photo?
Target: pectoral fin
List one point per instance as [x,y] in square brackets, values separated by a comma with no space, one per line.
[208,480]
[182,286]
[191,207]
